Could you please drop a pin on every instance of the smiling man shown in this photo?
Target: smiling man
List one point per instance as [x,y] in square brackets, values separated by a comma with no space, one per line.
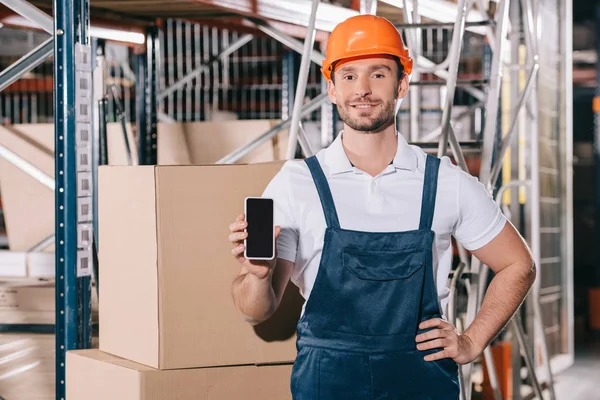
[364,229]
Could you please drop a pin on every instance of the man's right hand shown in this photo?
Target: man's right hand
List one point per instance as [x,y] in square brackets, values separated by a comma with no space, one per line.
[259,268]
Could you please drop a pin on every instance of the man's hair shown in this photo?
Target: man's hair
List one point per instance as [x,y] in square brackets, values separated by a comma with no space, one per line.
[398,64]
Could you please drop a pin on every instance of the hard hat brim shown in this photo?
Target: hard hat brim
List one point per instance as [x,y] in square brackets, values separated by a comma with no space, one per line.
[405,60]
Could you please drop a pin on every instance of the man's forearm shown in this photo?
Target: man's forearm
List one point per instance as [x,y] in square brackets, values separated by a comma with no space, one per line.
[503,297]
[254,297]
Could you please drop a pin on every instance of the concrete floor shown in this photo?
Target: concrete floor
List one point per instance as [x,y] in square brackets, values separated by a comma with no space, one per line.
[26,367]
[582,380]
[27,370]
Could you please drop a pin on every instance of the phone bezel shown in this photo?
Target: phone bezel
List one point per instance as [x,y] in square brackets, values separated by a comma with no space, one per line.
[245,230]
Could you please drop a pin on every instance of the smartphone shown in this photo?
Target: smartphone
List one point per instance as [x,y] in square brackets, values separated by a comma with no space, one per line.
[260,242]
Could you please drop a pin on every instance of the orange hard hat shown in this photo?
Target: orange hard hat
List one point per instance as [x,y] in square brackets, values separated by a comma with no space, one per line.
[364,35]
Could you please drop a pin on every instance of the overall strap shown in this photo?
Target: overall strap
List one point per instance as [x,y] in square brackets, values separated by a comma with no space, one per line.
[324,192]
[429,191]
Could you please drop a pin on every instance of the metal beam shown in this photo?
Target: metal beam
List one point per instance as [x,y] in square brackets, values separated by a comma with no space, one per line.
[43,244]
[413,37]
[32,13]
[122,118]
[205,67]
[295,12]
[456,46]
[140,62]
[73,284]
[26,63]
[457,150]
[487,149]
[304,142]
[529,358]
[286,40]
[236,155]
[309,42]
[442,24]
[162,117]
[567,206]
[441,11]
[426,65]
[288,75]
[513,124]
[150,142]
[437,131]
[327,119]
[27,167]
[494,94]
[368,7]
[489,32]
[130,34]
[457,83]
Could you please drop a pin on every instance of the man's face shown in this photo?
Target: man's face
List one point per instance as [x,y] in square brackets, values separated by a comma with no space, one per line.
[366,91]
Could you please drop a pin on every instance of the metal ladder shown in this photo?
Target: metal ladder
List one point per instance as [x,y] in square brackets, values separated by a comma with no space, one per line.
[489,173]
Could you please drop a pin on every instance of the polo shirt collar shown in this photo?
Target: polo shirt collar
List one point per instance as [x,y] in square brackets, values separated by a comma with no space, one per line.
[337,161]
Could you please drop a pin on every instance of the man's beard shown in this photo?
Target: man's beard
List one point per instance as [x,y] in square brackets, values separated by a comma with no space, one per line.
[368,124]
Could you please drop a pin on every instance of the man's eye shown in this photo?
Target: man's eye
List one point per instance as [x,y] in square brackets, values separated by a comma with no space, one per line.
[379,76]
[348,77]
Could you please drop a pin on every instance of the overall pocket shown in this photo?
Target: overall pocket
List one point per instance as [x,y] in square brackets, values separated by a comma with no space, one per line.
[379,292]
[382,265]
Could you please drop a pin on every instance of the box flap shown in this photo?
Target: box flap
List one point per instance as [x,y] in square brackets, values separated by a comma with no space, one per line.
[96,354]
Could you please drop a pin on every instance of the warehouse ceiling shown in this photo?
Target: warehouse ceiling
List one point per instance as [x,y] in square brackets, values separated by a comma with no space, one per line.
[288,15]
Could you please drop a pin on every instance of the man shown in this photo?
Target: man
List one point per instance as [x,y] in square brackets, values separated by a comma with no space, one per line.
[364,229]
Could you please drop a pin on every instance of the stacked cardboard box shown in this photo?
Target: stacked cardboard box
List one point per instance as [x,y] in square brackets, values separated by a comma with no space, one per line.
[168,326]
[94,375]
[26,302]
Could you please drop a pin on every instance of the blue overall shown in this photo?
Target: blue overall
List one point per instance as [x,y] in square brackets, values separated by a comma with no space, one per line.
[356,338]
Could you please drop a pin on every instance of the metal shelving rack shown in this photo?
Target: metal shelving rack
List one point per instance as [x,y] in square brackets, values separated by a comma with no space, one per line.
[70,35]
[72,114]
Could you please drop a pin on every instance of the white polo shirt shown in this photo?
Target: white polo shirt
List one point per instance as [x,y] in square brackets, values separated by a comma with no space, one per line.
[389,202]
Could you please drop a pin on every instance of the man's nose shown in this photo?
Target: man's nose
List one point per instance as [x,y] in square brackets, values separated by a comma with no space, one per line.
[363,87]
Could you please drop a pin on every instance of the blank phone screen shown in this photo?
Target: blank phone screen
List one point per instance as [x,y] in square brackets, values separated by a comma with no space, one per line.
[259,215]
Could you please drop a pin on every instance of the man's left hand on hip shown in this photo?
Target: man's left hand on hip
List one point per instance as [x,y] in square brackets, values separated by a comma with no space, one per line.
[444,336]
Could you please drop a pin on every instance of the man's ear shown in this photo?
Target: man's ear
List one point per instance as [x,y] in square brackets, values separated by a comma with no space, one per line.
[331,91]
[403,87]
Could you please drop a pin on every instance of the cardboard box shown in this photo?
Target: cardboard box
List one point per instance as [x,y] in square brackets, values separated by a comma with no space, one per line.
[27,204]
[27,302]
[166,268]
[94,375]
[21,264]
[208,142]
[19,317]
[31,301]
[29,296]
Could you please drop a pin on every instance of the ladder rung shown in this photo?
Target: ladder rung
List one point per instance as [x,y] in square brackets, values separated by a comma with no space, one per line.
[466,82]
[488,22]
